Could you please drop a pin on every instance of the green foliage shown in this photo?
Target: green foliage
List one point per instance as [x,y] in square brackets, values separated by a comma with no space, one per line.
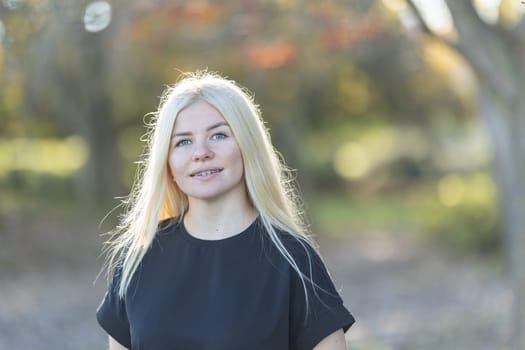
[471,225]
[472,222]
[336,214]
[28,184]
[468,226]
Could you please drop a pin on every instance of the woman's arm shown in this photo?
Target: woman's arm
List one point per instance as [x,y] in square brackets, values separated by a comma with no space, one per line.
[335,341]
[115,345]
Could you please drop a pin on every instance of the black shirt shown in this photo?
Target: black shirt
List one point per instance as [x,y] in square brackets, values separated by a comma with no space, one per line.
[229,294]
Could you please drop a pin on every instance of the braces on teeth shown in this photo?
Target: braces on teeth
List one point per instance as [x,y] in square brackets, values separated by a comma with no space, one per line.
[207,172]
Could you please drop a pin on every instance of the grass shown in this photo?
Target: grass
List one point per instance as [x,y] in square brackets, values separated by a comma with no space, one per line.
[347,215]
[471,226]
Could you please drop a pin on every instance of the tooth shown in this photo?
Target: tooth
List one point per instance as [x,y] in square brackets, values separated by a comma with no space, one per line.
[207,172]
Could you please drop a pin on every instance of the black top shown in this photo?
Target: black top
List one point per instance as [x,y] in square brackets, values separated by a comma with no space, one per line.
[232,294]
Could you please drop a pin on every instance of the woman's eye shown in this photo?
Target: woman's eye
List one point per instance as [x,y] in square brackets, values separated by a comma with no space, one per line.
[182,143]
[219,136]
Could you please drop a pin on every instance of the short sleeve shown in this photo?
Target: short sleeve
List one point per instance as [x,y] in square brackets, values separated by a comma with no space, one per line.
[325,312]
[111,314]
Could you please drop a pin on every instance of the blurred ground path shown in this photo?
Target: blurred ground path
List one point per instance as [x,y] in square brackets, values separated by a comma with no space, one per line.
[406,295]
[403,294]
[52,310]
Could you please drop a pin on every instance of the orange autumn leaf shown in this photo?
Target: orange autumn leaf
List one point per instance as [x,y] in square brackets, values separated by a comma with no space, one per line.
[348,34]
[272,55]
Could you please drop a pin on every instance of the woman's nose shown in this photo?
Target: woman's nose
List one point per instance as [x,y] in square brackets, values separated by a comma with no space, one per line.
[202,151]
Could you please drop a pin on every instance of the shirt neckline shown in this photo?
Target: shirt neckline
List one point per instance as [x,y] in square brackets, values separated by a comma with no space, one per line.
[216,242]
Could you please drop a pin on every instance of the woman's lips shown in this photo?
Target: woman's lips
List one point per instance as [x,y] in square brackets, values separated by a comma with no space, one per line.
[206,172]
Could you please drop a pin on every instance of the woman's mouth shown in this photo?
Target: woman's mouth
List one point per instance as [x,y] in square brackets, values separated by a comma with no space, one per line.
[205,173]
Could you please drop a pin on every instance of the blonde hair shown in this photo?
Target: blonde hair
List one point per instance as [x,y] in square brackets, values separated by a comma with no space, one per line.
[155,196]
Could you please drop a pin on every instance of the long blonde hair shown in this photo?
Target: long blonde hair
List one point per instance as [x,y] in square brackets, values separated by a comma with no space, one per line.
[155,196]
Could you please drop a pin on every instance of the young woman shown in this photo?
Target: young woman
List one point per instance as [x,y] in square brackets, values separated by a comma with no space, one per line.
[212,252]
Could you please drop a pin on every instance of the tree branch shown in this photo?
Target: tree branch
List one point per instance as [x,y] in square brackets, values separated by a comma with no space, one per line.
[480,44]
[426,28]
[519,28]
[484,46]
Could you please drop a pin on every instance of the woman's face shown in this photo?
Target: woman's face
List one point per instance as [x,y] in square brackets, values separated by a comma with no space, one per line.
[204,158]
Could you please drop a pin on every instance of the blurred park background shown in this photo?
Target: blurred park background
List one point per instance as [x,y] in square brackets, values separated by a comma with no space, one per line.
[404,120]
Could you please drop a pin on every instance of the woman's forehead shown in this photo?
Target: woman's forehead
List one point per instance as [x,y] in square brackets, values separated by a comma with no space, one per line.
[198,115]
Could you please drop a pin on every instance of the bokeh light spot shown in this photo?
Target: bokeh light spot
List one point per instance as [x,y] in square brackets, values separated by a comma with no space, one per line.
[97,16]
[350,161]
[437,16]
[451,190]
[50,156]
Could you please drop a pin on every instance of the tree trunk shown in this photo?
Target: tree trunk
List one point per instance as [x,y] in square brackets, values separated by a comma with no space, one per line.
[497,56]
[101,179]
[509,173]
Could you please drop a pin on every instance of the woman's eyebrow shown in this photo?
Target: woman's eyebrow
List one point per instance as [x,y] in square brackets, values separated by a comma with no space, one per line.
[216,125]
[188,133]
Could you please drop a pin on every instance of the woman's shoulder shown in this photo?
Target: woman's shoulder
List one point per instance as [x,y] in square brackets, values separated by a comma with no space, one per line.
[302,249]
[296,240]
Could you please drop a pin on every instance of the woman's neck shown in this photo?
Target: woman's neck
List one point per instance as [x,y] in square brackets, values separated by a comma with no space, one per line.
[218,220]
